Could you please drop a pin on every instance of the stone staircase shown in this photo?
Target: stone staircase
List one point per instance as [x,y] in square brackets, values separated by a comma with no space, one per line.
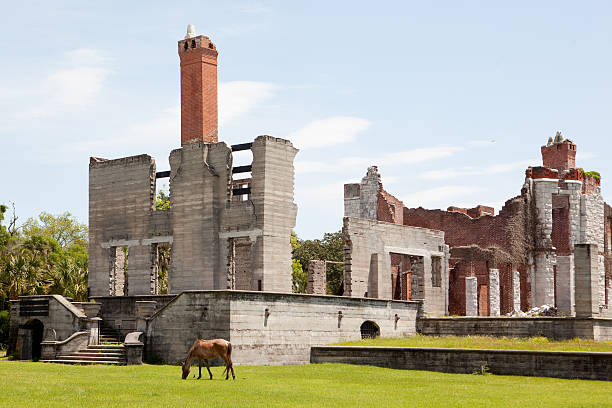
[112,354]
[109,335]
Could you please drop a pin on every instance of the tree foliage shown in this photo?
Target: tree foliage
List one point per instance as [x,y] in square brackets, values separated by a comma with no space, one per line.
[48,256]
[330,248]
[162,202]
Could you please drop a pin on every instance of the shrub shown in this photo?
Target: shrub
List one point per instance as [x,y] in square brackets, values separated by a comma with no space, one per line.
[4,328]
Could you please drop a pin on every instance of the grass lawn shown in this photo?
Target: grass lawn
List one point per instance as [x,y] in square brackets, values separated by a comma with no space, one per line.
[316,385]
[484,342]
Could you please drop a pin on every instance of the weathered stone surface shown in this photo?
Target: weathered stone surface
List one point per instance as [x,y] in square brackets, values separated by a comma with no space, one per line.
[557,364]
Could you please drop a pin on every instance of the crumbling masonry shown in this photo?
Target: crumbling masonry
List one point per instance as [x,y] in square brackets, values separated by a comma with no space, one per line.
[225,232]
[521,258]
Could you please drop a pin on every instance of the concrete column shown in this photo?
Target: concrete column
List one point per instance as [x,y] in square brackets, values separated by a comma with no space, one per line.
[144,310]
[317,277]
[373,277]
[494,304]
[516,291]
[471,296]
[543,286]
[587,280]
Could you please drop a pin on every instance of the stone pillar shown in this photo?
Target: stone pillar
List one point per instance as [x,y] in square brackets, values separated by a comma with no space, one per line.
[471,296]
[317,278]
[373,277]
[144,310]
[516,291]
[494,304]
[133,348]
[272,185]
[93,325]
[587,280]
[544,285]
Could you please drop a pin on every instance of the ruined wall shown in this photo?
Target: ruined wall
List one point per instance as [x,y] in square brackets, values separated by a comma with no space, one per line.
[275,212]
[198,190]
[367,261]
[271,328]
[121,201]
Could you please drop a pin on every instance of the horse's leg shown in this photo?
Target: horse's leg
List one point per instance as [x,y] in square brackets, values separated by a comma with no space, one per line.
[208,368]
[228,365]
[199,368]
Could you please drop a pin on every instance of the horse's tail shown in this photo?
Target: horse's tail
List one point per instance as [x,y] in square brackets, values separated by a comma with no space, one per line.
[229,349]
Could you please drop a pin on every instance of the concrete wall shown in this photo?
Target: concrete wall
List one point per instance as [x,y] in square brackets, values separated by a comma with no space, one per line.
[119,312]
[202,225]
[557,328]
[271,328]
[556,364]
[121,199]
[367,260]
[61,316]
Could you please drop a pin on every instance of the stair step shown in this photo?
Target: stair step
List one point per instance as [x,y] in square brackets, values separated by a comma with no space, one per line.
[92,358]
[105,347]
[100,354]
[62,361]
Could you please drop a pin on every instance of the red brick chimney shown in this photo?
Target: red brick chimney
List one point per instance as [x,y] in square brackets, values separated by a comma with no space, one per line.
[559,154]
[199,121]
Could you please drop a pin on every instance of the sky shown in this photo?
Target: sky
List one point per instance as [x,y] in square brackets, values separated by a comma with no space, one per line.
[450,99]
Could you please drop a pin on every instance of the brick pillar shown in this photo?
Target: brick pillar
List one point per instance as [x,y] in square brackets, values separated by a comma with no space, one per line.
[471,296]
[494,304]
[199,122]
[587,280]
[317,279]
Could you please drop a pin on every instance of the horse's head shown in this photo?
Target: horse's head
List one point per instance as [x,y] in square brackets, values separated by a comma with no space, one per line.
[186,368]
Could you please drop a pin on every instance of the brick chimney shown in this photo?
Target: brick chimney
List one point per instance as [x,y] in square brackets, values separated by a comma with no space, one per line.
[199,121]
[559,153]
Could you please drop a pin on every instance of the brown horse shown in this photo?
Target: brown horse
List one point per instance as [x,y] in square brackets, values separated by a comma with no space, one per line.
[207,349]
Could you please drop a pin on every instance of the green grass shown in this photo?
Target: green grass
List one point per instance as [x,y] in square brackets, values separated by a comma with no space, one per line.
[485,342]
[317,385]
[333,385]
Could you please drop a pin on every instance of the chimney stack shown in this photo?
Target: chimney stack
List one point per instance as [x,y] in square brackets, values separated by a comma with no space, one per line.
[199,117]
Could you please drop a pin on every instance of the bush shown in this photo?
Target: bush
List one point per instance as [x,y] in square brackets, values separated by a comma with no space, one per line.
[4,328]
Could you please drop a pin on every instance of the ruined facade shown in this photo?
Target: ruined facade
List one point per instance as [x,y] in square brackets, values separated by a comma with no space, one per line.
[385,259]
[225,231]
[520,258]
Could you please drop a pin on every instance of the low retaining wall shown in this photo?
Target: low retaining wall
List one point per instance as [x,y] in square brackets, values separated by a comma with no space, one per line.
[557,328]
[119,312]
[557,364]
[270,328]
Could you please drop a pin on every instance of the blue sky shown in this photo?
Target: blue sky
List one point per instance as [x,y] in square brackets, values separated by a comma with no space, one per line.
[452,100]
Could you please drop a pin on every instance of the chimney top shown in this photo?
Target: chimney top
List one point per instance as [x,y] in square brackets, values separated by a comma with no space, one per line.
[191,32]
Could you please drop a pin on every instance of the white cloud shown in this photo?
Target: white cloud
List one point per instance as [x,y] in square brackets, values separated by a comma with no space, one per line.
[328,132]
[72,87]
[477,171]
[238,97]
[438,197]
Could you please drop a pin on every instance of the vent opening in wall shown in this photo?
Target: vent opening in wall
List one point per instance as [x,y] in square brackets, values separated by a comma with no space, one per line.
[369,330]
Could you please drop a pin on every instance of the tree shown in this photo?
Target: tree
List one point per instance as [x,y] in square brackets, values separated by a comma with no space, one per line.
[330,248]
[65,229]
[162,202]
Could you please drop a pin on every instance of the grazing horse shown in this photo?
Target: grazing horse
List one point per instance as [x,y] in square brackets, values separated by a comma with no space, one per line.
[205,350]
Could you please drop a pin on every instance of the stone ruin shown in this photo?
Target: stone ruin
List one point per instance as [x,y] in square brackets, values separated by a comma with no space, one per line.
[524,257]
[230,268]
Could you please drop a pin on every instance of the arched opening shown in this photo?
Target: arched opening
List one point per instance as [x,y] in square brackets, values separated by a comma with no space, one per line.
[35,328]
[369,330]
